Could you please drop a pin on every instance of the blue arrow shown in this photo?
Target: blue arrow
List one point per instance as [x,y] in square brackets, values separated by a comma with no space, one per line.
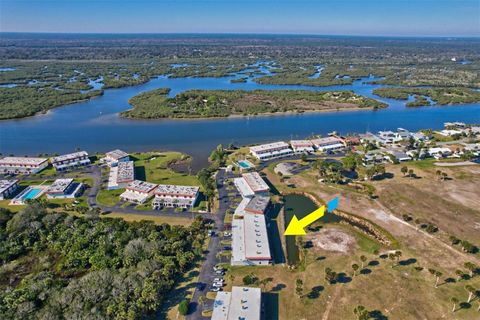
[332,205]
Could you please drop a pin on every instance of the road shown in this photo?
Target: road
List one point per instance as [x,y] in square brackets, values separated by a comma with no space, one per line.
[207,274]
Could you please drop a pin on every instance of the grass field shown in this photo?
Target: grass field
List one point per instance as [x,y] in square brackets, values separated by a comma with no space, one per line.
[154,167]
[109,197]
[156,219]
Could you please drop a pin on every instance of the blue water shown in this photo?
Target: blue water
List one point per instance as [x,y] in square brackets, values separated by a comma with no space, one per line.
[31,194]
[243,164]
[95,126]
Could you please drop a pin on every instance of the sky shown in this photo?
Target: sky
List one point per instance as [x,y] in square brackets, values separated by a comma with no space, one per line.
[324,17]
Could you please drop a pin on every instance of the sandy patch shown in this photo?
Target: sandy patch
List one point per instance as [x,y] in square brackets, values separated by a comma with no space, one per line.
[381,215]
[331,239]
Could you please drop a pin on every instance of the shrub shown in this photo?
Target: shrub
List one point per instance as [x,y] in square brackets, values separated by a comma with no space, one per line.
[183,307]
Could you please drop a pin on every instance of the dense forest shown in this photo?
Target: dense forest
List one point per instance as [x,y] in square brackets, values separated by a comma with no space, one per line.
[224,103]
[56,266]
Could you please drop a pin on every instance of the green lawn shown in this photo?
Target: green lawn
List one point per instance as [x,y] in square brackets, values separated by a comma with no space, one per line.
[153,167]
[109,197]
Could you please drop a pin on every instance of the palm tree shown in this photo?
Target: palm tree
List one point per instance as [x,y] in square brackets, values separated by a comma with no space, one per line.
[392,257]
[471,291]
[404,170]
[361,312]
[459,273]
[454,301]
[363,259]
[410,173]
[355,268]
[398,254]
[471,267]
[438,274]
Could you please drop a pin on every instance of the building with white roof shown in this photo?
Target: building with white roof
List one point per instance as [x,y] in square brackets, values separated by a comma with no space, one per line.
[328,144]
[250,244]
[114,157]
[22,165]
[121,175]
[251,184]
[138,191]
[7,188]
[271,150]
[243,303]
[64,189]
[302,146]
[70,161]
[439,152]
[175,196]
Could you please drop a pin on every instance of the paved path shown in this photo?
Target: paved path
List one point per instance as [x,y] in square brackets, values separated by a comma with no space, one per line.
[206,276]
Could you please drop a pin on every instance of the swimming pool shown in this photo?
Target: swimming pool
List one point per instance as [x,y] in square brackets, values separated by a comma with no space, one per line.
[245,164]
[31,194]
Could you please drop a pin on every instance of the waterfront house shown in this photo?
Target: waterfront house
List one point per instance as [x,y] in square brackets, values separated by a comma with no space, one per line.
[138,191]
[438,153]
[173,196]
[22,165]
[7,188]
[270,151]
[70,161]
[302,146]
[328,144]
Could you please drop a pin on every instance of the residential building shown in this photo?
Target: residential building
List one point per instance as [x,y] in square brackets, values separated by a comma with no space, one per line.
[138,191]
[121,175]
[64,189]
[257,205]
[70,161]
[250,245]
[22,165]
[250,184]
[175,196]
[302,146]
[328,144]
[113,158]
[449,132]
[399,155]
[271,150]
[439,152]
[7,188]
[243,303]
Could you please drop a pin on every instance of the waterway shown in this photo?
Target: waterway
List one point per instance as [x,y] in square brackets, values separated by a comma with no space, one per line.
[300,206]
[95,126]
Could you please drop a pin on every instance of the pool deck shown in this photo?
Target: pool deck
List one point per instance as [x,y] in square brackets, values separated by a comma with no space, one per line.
[22,197]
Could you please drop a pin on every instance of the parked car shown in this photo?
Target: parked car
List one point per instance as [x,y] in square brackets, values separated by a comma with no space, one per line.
[218,280]
[227,248]
[217,285]
[219,272]
[216,268]
[216,289]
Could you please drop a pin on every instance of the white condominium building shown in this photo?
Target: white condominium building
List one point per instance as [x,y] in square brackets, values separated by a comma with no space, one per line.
[70,161]
[175,196]
[22,165]
[251,184]
[271,150]
[121,175]
[64,188]
[113,158]
[243,303]
[7,188]
[138,191]
[328,144]
[302,146]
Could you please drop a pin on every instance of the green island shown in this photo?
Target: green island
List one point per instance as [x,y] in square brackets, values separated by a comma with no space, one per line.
[223,103]
[441,96]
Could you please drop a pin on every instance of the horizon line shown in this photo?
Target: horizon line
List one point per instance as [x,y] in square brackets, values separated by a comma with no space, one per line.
[241,33]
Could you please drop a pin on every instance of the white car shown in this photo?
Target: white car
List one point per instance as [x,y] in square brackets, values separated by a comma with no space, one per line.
[218,280]
[216,289]
[217,285]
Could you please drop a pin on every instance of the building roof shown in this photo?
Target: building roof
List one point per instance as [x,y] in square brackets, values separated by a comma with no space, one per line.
[256,237]
[257,205]
[301,143]
[174,190]
[70,156]
[6,184]
[269,146]
[134,197]
[243,187]
[326,141]
[59,186]
[116,154]
[255,182]
[141,186]
[243,303]
[22,161]
[125,171]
